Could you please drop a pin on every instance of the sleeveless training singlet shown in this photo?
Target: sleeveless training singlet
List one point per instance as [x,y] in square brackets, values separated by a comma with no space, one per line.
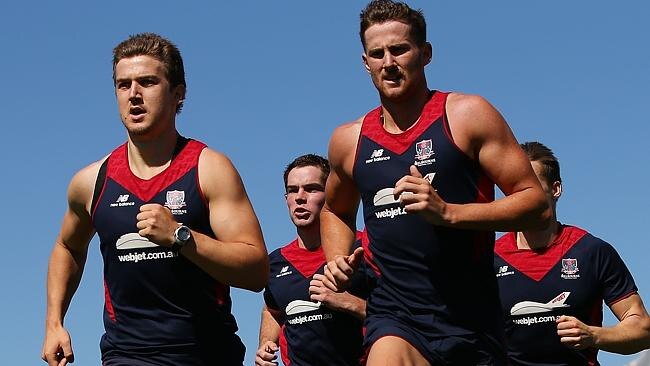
[436,287]
[571,276]
[159,307]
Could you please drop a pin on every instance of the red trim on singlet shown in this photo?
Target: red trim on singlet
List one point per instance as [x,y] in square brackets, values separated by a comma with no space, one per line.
[222,293]
[367,253]
[109,303]
[485,192]
[146,189]
[284,352]
[373,128]
[198,187]
[101,194]
[307,262]
[537,263]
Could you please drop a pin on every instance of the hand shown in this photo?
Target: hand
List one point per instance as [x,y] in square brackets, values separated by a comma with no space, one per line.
[319,292]
[339,271]
[157,224]
[57,348]
[266,354]
[574,333]
[417,195]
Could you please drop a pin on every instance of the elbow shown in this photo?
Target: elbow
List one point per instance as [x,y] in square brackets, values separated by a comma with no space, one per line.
[541,215]
[259,275]
[645,327]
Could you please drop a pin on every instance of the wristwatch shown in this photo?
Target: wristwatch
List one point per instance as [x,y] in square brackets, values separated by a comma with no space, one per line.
[182,235]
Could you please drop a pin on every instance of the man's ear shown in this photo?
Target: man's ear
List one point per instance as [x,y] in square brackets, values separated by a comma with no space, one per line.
[365,62]
[557,190]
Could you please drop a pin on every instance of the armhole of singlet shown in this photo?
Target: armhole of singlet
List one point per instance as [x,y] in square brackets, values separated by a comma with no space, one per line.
[450,137]
[358,147]
[99,185]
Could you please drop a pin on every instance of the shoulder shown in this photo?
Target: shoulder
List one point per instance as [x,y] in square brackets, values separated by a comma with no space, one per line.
[82,184]
[211,159]
[217,172]
[347,133]
[344,142]
[471,109]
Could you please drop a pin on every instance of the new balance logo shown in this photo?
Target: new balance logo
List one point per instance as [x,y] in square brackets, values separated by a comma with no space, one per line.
[377,155]
[122,200]
[284,272]
[503,271]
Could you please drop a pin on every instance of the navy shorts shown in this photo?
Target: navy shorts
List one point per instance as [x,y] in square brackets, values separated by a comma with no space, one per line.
[444,351]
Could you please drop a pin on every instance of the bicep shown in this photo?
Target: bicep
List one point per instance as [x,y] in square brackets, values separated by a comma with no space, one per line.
[77,227]
[503,160]
[484,135]
[342,196]
[230,208]
[629,306]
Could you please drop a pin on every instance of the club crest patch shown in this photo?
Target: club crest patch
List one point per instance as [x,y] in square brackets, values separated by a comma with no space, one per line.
[570,269]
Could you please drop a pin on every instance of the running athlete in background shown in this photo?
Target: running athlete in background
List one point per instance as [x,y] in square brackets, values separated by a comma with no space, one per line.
[311,324]
[553,282]
[175,224]
[424,165]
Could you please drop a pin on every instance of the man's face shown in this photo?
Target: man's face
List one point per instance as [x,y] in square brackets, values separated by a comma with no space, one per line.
[305,195]
[393,59]
[145,101]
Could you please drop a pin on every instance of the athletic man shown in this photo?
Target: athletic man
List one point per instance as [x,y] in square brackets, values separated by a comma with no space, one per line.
[424,165]
[553,282]
[175,225]
[311,324]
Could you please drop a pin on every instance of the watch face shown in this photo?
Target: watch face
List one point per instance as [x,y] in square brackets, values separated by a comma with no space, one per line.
[183,233]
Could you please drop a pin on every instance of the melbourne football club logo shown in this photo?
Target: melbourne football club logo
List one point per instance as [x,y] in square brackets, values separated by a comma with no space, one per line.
[423,149]
[175,200]
[570,268]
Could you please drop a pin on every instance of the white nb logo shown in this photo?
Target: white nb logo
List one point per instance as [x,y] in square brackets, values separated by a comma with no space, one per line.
[377,153]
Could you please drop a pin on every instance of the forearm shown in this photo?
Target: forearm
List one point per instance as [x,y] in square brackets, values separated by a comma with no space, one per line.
[64,274]
[629,336]
[520,211]
[337,234]
[352,305]
[269,328]
[236,264]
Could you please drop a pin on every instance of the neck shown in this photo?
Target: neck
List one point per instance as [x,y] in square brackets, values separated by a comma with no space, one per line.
[400,115]
[148,157]
[309,237]
[538,239]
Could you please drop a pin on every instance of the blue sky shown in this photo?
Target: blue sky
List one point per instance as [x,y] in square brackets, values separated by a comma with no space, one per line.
[270,80]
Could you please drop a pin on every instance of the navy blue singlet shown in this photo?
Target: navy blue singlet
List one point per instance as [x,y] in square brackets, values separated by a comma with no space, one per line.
[160,308]
[311,335]
[572,276]
[436,287]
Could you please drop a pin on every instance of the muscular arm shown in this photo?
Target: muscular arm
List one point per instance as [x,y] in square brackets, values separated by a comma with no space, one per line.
[269,336]
[338,217]
[630,335]
[482,134]
[238,255]
[269,327]
[67,263]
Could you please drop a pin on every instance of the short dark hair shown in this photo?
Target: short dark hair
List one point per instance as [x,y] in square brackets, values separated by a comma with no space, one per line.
[539,152]
[158,47]
[308,160]
[381,11]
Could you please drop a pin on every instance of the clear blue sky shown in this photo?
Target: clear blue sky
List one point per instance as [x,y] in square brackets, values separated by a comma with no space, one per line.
[270,80]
